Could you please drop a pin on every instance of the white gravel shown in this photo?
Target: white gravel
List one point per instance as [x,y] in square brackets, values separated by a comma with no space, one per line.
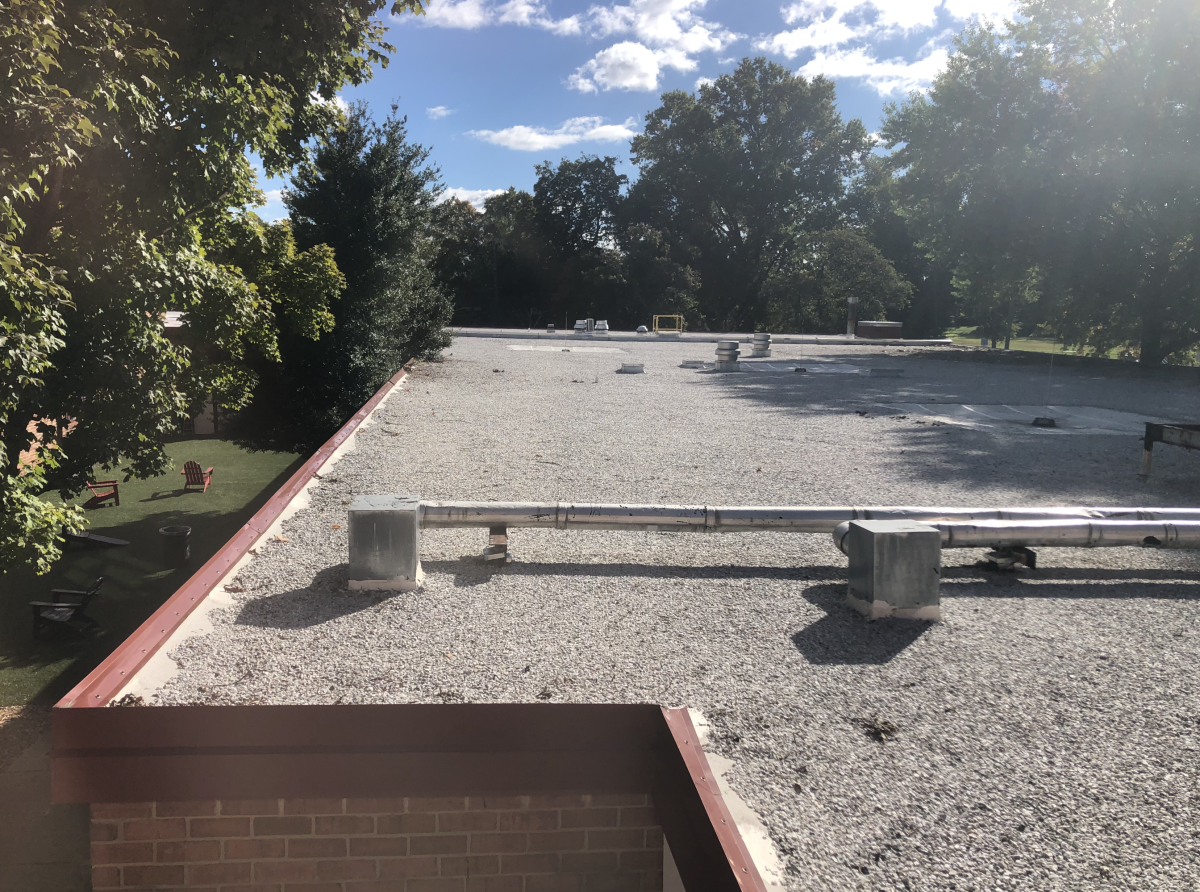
[1048,731]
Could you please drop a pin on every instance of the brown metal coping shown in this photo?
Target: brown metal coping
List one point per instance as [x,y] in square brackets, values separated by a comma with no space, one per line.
[106,680]
[189,753]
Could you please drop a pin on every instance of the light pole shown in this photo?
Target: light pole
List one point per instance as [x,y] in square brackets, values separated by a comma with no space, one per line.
[851,310]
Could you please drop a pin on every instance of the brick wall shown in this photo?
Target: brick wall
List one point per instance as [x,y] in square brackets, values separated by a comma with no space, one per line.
[489,844]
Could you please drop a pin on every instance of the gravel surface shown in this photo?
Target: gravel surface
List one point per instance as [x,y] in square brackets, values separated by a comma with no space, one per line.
[1044,737]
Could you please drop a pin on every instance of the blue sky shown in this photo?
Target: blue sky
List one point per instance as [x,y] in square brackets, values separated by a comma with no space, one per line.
[496,86]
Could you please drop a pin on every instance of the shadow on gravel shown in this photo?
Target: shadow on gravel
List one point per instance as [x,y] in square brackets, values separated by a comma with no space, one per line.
[325,599]
[475,571]
[1015,587]
[843,638]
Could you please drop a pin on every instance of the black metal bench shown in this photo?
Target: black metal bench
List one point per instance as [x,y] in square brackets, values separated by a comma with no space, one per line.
[67,609]
[1185,435]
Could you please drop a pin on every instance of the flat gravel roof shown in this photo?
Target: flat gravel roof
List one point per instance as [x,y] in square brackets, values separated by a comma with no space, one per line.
[1046,734]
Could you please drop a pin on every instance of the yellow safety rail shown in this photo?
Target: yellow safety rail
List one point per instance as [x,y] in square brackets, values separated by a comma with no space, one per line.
[668,324]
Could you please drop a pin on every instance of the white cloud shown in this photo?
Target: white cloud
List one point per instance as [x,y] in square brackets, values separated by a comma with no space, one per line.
[473,197]
[438,111]
[623,66]
[576,130]
[841,34]
[703,82]
[472,14]
[533,14]
[887,76]
[468,14]
[273,210]
[670,24]
[669,34]
[317,99]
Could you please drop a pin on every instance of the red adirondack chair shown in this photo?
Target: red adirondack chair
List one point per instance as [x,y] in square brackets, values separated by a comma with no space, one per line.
[196,477]
[102,491]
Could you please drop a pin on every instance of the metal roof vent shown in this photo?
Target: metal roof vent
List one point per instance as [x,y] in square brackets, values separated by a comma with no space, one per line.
[727,356]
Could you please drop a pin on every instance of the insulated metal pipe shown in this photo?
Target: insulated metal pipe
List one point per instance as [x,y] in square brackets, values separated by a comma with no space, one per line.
[702,518]
[1063,533]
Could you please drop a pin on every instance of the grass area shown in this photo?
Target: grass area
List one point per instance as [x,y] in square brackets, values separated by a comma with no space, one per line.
[969,335]
[136,581]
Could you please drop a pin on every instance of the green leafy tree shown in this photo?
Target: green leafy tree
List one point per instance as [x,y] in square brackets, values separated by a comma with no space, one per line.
[1052,166]
[576,204]
[576,209]
[874,208]
[976,173]
[367,193]
[124,128]
[657,283]
[810,289]
[1123,266]
[462,262]
[736,174]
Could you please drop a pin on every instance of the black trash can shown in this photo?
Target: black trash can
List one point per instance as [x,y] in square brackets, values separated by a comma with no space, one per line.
[176,547]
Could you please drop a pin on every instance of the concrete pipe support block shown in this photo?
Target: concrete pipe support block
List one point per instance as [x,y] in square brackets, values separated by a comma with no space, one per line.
[385,543]
[895,569]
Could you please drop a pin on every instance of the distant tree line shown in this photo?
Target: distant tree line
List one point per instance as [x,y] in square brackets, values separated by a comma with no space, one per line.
[1048,183]
[741,217]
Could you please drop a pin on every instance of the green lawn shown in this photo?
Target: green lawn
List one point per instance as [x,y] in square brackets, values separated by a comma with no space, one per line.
[136,580]
[969,335]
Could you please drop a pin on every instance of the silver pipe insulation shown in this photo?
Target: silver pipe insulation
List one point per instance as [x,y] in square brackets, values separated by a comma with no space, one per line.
[702,518]
[1052,533]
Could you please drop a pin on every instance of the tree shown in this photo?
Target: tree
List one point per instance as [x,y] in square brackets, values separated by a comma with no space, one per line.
[367,193]
[1054,162]
[124,128]
[542,255]
[462,263]
[810,289]
[973,155]
[576,204]
[1124,269]
[576,207]
[736,174]
[657,283]
[874,208]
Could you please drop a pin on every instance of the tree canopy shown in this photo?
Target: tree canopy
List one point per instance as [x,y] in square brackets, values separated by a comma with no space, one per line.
[738,172]
[365,194]
[733,182]
[124,128]
[1052,165]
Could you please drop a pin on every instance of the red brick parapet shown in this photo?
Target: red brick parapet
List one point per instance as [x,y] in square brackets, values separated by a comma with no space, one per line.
[564,843]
